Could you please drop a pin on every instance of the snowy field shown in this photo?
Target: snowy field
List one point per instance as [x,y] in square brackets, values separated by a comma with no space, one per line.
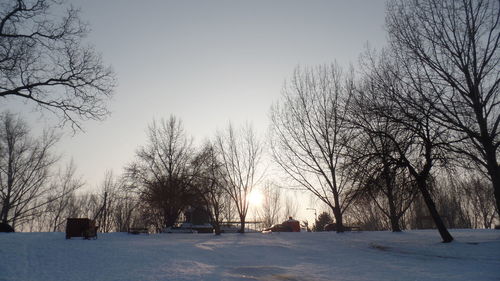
[412,255]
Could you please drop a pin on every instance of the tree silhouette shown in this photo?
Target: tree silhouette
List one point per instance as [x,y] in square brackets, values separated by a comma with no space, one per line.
[452,48]
[310,134]
[24,170]
[43,60]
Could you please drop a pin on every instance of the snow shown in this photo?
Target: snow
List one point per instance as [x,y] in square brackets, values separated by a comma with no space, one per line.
[412,255]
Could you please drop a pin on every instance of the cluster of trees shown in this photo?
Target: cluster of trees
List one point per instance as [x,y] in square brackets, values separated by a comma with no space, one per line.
[37,196]
[417,125]
[168,177]
[425,106]
[171,175]
[44,61]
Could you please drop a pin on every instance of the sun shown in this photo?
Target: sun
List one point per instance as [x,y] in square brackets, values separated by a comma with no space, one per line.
[255,198]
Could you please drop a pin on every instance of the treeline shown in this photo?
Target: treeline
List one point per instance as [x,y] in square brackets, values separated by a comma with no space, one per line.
[169,176]
[423,109]
[409,139]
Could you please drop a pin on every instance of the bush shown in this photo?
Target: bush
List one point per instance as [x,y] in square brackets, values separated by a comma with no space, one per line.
[323,219]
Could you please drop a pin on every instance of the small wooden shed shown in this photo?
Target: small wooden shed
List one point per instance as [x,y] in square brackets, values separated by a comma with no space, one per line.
[81,227]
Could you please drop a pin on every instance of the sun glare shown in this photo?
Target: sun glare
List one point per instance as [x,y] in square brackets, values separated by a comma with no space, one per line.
[255,198]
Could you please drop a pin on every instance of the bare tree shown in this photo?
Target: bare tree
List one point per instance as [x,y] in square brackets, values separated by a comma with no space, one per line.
[240,153]
[108,192]
[114,206]
[374,163]
[310,133]
[161,173]
[365,213]
[454,45]
[479,201]
[229,212]
[389,188]
[208,183]
[43,60]
[420,143]
[25,165]
[88,204]
[62,197]
[125,210]
[271,206]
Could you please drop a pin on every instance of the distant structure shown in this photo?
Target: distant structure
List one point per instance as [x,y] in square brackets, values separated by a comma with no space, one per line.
[294,225]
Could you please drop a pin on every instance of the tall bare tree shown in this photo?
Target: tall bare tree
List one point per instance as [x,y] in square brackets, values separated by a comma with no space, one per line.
[25,164]
[208,183]
[162,173]
[374,161]
[455,46]
[44,60]
[419,143]
[240,153]
[388,186]
[310,132]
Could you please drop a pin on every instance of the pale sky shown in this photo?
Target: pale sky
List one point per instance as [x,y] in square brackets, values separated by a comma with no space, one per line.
[208,63]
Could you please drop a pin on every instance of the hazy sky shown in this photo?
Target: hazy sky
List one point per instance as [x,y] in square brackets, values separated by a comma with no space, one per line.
[207,62]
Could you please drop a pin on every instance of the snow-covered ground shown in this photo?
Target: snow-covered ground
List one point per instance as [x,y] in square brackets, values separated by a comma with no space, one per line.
[412,255]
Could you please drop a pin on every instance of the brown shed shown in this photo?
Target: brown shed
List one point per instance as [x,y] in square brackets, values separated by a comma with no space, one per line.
[81,227]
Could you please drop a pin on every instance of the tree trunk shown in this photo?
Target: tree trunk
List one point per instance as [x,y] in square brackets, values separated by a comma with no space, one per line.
[486,222]
[217,229]
[242,224]
[488,144]
[445,235]
[215,218]
[393,216]
[6,204]
[395,224]
[216,221]
[5,211]
[494,173]
[338,217]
